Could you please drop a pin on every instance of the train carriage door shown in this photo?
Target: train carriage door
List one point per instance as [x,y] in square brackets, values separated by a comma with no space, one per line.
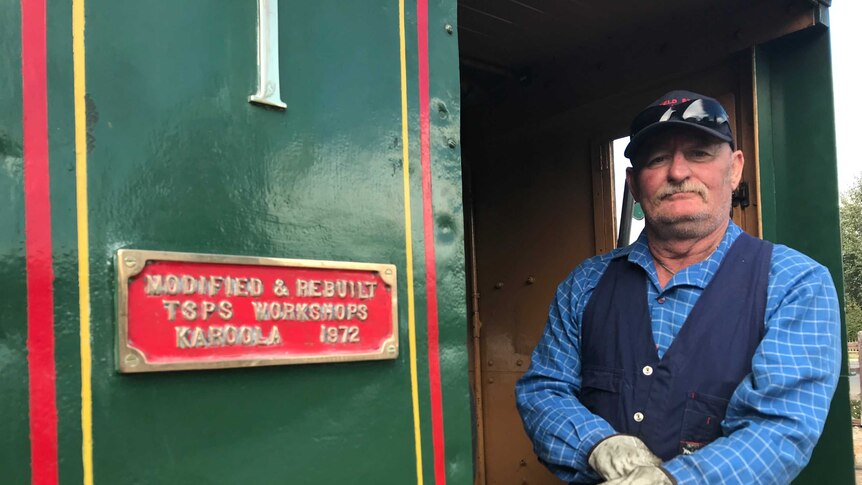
[546,89]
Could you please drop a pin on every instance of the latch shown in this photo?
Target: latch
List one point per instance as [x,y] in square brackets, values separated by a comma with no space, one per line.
[740,196]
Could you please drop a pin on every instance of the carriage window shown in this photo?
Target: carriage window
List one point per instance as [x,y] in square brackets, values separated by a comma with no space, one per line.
[628,214]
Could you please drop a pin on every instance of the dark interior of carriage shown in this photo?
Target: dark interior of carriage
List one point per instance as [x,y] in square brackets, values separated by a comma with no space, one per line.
[547,85]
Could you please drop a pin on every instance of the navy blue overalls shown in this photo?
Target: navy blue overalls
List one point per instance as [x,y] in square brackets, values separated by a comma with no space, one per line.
[674,404]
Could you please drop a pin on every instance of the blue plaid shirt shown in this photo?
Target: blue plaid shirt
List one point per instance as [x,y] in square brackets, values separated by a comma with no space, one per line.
[774,417]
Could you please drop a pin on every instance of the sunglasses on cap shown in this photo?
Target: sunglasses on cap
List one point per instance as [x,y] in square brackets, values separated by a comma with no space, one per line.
[704,114]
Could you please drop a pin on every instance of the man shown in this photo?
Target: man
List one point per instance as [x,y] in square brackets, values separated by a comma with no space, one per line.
[698,354]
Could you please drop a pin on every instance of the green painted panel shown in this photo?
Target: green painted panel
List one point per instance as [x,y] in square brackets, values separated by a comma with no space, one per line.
[182,162]
[445,117]
[64,239]
[14,428]
[179,160]
[800,195]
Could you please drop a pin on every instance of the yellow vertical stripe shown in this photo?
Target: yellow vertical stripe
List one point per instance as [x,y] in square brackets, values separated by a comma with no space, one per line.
[408,237]
[80,92]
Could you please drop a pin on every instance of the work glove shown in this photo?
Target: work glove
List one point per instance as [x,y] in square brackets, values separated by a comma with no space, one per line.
[643,475]
[619,455]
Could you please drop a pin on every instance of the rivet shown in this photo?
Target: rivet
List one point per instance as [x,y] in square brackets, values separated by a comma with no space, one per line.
[449,29]
[130,261]
[498,285]
[519,362]
[490,380]
[523,462]
[442,111]
[531,280]
[452,143]
[490,363]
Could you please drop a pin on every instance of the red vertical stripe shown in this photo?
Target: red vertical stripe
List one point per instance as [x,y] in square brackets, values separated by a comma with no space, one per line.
[430,262]
[37,218]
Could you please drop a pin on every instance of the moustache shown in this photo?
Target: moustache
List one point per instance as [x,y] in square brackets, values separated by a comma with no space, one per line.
[688,186]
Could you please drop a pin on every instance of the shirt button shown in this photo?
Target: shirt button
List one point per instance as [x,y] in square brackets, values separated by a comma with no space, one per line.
[660,300]
[639,416]
[647,370]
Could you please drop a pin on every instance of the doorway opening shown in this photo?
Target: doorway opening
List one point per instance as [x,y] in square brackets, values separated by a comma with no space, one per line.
[548,90]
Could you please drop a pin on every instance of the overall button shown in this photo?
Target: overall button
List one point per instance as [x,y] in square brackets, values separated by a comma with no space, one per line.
[660,300]
[647,370]
[639,416]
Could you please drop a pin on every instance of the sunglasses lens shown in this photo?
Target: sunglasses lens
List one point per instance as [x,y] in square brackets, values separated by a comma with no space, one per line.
[704,111]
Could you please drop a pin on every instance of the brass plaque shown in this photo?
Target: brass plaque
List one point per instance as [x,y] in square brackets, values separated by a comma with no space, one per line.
[181,311]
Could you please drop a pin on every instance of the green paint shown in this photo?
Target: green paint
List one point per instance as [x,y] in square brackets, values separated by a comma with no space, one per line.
[445,118]
[179,160]
[797,156]
[64,233]
[14,428]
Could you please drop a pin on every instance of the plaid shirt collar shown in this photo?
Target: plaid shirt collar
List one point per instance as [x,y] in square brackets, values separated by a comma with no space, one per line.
[698,274]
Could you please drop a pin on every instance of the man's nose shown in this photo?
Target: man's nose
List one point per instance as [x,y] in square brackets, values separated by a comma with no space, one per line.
[679,169]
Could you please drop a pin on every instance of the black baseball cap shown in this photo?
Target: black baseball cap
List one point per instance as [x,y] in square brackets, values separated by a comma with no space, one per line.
[679,108]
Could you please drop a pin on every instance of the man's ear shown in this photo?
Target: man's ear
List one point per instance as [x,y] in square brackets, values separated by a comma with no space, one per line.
[737,162]
[631,180]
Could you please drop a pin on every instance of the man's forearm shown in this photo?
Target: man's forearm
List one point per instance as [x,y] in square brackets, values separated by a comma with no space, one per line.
[750,456]
[563,431]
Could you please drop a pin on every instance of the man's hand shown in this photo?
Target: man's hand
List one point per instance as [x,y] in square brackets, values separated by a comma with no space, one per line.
[643,475]
[618,456]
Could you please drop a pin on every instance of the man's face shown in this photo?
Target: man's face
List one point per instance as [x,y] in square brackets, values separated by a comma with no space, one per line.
[684,180]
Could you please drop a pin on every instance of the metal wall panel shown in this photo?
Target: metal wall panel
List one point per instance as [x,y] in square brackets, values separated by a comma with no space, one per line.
[179,160]
[797,156]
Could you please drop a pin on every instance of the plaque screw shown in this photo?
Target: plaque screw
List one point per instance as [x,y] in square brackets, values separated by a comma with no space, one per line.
[452,143]
[449,29]
[130,261]
[391,349]
[388,271]
[132,360]
[498,285]
[531,280]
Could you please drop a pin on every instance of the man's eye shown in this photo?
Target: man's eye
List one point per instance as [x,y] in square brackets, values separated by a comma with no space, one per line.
[656,160]
[699,155]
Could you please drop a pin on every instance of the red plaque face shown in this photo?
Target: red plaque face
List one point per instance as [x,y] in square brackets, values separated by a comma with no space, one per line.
[197,311]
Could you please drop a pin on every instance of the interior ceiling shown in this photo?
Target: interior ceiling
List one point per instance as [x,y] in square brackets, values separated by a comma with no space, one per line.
[512,34]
